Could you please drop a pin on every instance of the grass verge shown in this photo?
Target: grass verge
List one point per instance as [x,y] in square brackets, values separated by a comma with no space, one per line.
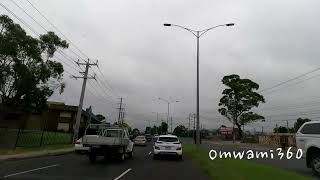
[20,150]
[228,169]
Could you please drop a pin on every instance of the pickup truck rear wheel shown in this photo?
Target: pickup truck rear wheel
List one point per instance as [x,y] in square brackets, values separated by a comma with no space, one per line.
[315,165]
[130,154]
[122,155]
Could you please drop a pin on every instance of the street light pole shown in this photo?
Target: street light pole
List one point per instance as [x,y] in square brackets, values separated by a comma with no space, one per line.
[168,102]
[198,113]
[198,34]
[168,112]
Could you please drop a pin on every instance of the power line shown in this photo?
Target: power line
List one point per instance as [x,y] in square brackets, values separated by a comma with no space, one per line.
[105,92]
[64,37]
[38,23]
[38,34]
[293,84]
[108,84]
[289,80]
[56,28]
[28,26]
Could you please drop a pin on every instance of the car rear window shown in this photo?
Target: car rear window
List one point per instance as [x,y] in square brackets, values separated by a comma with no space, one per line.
[313,128]
[113,133]
[168,139]
[91,131]
[140,137]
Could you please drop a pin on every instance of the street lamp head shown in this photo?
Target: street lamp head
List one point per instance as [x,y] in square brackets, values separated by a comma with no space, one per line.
[230,24]
[166,24]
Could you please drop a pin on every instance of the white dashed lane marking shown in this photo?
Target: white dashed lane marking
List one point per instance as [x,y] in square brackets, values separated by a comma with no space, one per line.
[31,170]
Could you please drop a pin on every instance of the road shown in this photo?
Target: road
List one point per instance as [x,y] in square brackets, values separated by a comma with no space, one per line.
[73,166]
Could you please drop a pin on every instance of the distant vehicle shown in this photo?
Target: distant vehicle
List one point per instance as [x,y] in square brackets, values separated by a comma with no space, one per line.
[167,145]
[79,148]
[148,137]
[107,141]
[140,140]
[308,139]
[155,136]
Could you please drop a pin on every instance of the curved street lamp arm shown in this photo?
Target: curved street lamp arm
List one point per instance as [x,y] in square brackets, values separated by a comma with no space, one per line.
[190,30]
[163,100]
[202,32]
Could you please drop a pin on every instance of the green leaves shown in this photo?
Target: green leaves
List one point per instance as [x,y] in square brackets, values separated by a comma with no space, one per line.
[24,70]
[180,131]
[50,42]
[248,117]
[238,99]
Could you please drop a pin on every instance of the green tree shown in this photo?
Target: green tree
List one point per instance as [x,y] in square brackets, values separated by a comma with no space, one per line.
[148,130]
[238,99]
[154,130]
[280,129]
[27,67]
[299,123]
[135,132]
[180,131]
[249,117]
[100,117]
[164,128]
[125,125]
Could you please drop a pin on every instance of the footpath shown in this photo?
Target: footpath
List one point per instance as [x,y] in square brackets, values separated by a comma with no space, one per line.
[33,154]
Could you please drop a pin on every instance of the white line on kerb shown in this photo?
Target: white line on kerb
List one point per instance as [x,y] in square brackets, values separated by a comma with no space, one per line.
[23,172]
[150,153]
[124,173]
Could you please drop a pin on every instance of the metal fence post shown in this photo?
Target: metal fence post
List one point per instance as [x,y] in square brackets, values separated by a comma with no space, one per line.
[41,138]
[17,139]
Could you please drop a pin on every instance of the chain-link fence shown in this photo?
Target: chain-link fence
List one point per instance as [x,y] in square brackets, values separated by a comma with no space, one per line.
[32,138]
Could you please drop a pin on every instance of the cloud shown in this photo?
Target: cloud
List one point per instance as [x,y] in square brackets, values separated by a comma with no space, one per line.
[271,42]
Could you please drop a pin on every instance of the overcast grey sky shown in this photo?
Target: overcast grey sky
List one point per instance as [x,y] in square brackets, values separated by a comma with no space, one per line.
[272,41]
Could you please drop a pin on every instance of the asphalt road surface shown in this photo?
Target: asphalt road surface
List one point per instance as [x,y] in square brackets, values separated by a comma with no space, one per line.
[73,166]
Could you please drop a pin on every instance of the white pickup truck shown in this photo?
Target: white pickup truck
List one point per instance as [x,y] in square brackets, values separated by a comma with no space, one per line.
[107,141]
[308,139]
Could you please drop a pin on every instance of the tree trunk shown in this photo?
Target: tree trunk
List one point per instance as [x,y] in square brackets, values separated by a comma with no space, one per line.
[239,129]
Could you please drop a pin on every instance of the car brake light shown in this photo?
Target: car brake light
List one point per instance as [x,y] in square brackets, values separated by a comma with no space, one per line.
[78,142]
[157,147]
[176,143]
[179,148]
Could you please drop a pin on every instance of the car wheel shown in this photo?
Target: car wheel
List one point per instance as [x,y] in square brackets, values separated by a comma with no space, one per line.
[130,154]
[180,157]
[155,156]
[122,157]
[92,157]
[315,165]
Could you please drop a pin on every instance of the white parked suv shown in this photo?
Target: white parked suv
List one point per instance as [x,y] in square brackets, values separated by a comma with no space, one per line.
[167,145]
[308,139]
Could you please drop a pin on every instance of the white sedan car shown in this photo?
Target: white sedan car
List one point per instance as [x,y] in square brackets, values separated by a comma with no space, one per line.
[79,148]
[140,140]
[167,145]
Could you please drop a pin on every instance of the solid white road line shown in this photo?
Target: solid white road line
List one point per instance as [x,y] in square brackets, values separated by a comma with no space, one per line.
[124,173]
[23,172]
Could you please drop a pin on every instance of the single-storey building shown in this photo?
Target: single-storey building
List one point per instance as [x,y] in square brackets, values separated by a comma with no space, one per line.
[58,117]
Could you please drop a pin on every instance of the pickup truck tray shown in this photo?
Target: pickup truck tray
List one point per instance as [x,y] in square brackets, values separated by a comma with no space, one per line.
[106,141]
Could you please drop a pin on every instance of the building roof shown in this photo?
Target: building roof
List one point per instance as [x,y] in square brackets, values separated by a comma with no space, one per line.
[61,106]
